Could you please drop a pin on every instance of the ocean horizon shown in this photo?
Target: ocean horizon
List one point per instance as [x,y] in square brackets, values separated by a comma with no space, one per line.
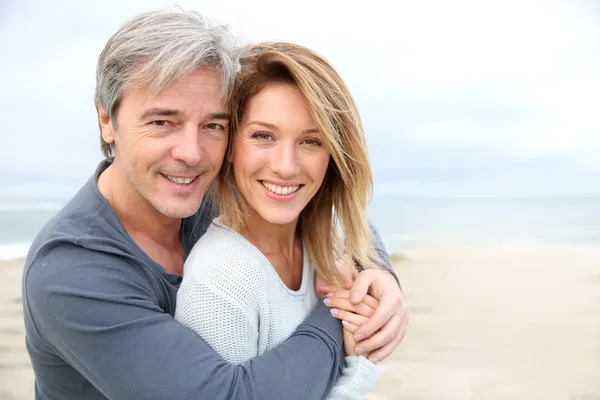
[404,223]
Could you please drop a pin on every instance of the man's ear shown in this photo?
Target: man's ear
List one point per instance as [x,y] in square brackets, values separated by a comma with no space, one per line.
[106,126]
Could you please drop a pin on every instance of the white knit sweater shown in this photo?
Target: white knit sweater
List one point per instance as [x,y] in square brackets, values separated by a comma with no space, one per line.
[232,296]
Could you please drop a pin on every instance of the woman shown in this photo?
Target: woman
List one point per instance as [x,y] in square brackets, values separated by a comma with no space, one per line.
[296,174]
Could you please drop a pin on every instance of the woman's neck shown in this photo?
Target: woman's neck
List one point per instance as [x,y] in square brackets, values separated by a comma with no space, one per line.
[280,244]
[269,238]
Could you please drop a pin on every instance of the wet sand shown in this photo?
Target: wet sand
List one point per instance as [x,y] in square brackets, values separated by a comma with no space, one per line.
[487,322]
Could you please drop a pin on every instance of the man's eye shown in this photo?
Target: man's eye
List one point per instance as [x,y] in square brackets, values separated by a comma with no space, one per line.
[215,127]
[160,123]
[261,135]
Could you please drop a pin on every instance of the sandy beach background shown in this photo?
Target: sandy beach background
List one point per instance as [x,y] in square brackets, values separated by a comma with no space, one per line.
[487,322]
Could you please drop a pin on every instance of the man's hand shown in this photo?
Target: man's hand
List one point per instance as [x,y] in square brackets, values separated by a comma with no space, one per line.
[386,327]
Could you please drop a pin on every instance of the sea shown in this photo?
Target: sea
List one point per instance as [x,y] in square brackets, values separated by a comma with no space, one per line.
[403,223]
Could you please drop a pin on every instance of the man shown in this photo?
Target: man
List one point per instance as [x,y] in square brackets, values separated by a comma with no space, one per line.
[101,278]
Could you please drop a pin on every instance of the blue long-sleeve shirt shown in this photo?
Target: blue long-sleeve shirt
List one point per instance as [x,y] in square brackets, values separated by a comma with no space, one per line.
[99,322]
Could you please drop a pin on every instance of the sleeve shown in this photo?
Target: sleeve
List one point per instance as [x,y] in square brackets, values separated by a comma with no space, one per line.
[100,315]
[359,376]
[379,248]
[219,319]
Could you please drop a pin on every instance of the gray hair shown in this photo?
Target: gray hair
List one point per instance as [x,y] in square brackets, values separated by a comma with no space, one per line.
[156,48]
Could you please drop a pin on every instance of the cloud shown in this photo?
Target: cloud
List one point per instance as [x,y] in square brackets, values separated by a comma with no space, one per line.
[463,97]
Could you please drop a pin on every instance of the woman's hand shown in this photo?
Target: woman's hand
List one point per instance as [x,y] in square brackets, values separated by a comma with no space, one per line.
[352,315]
[385,328]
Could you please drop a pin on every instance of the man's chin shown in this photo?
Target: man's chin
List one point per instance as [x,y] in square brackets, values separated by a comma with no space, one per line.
[178,211]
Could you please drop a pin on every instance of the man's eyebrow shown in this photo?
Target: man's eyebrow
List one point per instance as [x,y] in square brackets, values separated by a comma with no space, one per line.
[160,112]
[219,116]
[169,112]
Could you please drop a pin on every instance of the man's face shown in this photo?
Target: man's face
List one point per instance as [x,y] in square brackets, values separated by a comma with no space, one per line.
[170,147]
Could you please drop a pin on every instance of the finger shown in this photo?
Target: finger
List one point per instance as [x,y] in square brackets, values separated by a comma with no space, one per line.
[328,288]
[345,294]
[350,327]
[385,351]
[388,306]
[361,286]
[344,304]
[386,335]
[351,317]
[354,319]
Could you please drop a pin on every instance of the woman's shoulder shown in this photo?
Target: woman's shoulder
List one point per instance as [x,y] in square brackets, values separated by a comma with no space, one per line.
[221,250]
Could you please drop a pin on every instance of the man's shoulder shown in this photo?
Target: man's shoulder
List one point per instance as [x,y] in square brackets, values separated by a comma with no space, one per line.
[86,221]
[84,233]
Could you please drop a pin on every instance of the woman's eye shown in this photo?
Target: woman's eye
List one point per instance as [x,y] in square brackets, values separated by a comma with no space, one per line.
[313,142]
[261,136]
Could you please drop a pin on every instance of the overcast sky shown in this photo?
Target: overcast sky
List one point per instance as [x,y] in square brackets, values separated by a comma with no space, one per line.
[458,98]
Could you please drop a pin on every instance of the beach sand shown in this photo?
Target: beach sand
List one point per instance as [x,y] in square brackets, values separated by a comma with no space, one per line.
[16,377]
[487,322]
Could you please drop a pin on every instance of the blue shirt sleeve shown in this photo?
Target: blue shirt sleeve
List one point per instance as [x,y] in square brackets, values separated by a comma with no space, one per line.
[98,312]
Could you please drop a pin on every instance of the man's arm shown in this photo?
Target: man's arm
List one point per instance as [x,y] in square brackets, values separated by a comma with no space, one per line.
[385,329]
[103,319]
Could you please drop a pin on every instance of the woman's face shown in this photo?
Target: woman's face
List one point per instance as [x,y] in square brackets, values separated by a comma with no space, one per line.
[279,158]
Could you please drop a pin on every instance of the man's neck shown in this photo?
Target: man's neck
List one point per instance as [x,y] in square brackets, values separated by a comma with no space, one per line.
[156,234]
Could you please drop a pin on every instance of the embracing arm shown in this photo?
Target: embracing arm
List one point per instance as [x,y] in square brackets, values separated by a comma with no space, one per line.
[379,247]
[102,317]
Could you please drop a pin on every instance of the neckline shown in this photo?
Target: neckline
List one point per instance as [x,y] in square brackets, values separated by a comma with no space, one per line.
[173,277]
[305,261]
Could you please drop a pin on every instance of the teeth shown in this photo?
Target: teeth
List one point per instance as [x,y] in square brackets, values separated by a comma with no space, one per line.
[181,181]
[281,190]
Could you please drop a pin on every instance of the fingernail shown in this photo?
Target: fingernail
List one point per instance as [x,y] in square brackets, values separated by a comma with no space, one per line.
[374,360]
[354,297]
[330,294]
[359,337]
[359,350]
[334,311]
[345,323]
[327,301]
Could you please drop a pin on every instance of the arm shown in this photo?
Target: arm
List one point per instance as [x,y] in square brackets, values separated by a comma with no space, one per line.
[101,316]
[358,378]
[386,328]
[224,323]
[224,309]
[379,248]
[359,374]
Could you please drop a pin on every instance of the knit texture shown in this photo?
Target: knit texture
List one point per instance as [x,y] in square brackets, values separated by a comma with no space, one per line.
[234,299]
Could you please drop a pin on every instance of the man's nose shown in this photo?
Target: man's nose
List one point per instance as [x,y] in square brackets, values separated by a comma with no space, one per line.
[188,148]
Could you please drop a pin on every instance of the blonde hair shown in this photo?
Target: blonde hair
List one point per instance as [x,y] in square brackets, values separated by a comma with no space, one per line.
[343,196]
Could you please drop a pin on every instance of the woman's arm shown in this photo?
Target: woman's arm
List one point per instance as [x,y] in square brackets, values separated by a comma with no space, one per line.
[359,375]
[226,325]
